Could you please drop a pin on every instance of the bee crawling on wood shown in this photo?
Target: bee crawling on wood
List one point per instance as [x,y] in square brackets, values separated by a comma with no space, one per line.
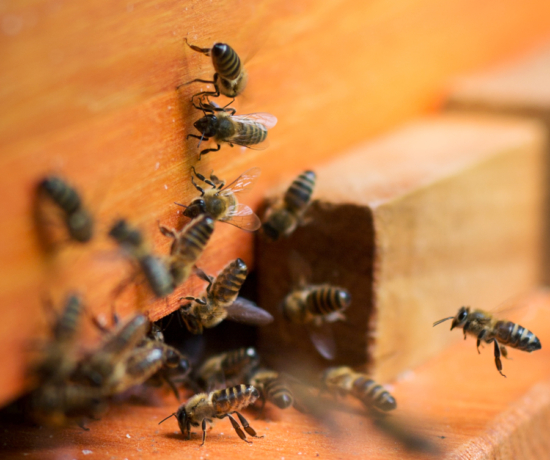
[230,78]
[221,203]
[221,301]
[204,407]
[222,126]
[283,217]
[488,329]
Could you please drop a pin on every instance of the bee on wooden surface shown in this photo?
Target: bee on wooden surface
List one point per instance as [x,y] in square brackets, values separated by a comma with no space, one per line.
[155,269]
[221,301]
[220,201]
[187,246]
[59,405]
[230,78]
[488,329]
[204,407]
[227,368]
[283,218]
[273,387]
[60,356]
[222,126]
[78,221]
[344,380]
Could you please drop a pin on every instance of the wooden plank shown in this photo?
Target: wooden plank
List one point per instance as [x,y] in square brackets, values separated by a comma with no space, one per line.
[88,91]
[457,400]
[414,225]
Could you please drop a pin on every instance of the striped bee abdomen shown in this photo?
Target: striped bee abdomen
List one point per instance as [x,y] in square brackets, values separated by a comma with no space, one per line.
[226,61]
[194,239]
[278,392]
[516,336]
[250,133]
[371,394]
[299,193]
[228,283]
[61,193]
[67,325]
[236,361]
[327,299]
[157,274]
[234,398]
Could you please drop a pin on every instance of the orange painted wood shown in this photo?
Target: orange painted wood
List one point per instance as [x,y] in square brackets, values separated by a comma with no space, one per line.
[443,212]
[458,401]
[88,90]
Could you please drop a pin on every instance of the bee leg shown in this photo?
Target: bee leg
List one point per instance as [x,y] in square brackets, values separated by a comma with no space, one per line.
[205,151]
[237,428]
[205,51]
[465,328]
[196,137]
[166,231]
[204,179]
[504,351]
[479,339]
[204,94]
[203,431]
[196,185]
[498,362]
[251,431]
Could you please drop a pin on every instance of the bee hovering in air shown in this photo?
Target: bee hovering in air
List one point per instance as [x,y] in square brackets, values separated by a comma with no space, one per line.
[283,217]
[488,329]
[220,201]
[227,368]
[344,380]
[78,221]
[230,78]
[221,301]
[187,246]
[204,407]
[222,126]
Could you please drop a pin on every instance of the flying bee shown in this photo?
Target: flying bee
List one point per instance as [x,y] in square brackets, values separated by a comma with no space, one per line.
[488,329]
[78,221]
[221,301]
[220,201]
[273,387]
[222,126]
[230,78]
[343,381]
[227,368]
[187,246]
[155,269]
[282,218]
[204,407]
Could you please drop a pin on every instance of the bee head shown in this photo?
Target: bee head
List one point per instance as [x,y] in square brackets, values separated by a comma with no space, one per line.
[195,209]
[172,357]
[460,318]
[182,417]
[207,125]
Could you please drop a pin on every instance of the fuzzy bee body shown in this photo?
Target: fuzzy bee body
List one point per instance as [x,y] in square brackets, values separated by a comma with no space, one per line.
[204,407]
[78,220]
[488,329]
[227,368]
[343,380]
[283,218]
[272,387]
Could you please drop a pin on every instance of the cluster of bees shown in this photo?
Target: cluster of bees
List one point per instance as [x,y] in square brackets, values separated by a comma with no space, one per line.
[73,385]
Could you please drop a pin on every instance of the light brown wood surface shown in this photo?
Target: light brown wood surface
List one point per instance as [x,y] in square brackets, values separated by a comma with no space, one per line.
[457,401]
[444,212]
[87,90]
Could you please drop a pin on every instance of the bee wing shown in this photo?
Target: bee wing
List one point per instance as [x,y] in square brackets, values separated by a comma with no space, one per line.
[322,338]
[266,119]
[247,312]
[242,184]
[241,216]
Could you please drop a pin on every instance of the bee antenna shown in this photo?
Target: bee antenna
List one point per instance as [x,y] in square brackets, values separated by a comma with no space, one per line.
[200,141]
[171,415]
[442,320]
[182,205]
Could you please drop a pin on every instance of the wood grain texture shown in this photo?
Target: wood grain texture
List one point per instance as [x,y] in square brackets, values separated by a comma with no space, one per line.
[88,91]
[457,400]
[414,225]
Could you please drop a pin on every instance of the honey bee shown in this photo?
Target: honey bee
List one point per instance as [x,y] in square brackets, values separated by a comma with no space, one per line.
[220,201]
[78,221]
[223,126]
[283,218]
[204,407]
[230,78]
[227,368]
[343,381]
[221,301]
[156,270]
[187,246]
[272,386]
[488,329]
